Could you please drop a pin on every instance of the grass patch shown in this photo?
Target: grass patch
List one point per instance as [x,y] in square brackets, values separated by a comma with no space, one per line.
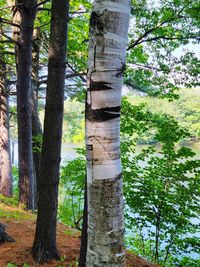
[10,209]
[8,201]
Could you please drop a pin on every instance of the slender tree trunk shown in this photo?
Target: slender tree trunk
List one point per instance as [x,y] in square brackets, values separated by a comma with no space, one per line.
[44,247]
[108,38]
[36,125]
[26,10]
[5,156]
[84,236]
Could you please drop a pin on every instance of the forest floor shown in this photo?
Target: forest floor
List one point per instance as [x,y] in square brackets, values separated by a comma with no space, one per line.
[21,226]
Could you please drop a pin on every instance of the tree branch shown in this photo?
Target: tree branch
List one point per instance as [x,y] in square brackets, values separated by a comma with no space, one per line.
[70,66]
[43,9]
[10,39]
[68,76]
[175,17]
[170,38]
[43,25]
[5,21]
[41,3]
[6,7]
[7,53]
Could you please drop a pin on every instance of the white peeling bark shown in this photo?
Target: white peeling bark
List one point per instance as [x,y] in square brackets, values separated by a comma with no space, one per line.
[108,39]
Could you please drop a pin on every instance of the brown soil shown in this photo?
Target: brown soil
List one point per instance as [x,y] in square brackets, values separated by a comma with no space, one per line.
[68,241]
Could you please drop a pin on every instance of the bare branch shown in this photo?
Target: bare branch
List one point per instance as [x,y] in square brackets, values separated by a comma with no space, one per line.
[42,3]
[70,66]
[170,38]
[43,25]
[68,76]
[5,21]
[5,41]
[6,7]
[43,9]
[10,39]
[7,53]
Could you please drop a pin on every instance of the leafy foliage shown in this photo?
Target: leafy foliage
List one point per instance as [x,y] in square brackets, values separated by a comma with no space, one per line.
[185,110]
[15,188]
[161,189]
[156,63]
[37,143]
[12,265]
[72,192]
[74,123]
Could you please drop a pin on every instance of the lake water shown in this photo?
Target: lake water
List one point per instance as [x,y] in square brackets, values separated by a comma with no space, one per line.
[68,150]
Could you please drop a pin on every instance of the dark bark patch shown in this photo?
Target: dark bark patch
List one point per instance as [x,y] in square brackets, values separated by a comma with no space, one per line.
[99,86]
[102,114]
[96,23]
[120,72]
[4,237]
[89,147]
[44,252]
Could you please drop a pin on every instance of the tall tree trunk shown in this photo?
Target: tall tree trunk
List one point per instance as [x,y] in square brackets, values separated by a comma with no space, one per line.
[36,125]
[44,247]
[5,156]
[26,10]
[108,38]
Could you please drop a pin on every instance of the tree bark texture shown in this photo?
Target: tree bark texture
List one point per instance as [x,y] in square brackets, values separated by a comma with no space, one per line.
[5,156]
[44,247]
[107,49]
[25,11]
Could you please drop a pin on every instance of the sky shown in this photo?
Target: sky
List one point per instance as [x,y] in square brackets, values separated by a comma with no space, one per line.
[190,47]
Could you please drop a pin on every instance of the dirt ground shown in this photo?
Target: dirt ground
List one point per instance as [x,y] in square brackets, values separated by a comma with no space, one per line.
[68,241]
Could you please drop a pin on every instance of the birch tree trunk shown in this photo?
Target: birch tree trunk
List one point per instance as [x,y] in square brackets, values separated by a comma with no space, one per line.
[44,247]
[25,11]
[107,49]
[5,156]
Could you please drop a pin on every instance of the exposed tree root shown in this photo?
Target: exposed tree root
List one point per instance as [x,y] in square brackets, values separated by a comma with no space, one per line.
[43,252]
[4,237]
